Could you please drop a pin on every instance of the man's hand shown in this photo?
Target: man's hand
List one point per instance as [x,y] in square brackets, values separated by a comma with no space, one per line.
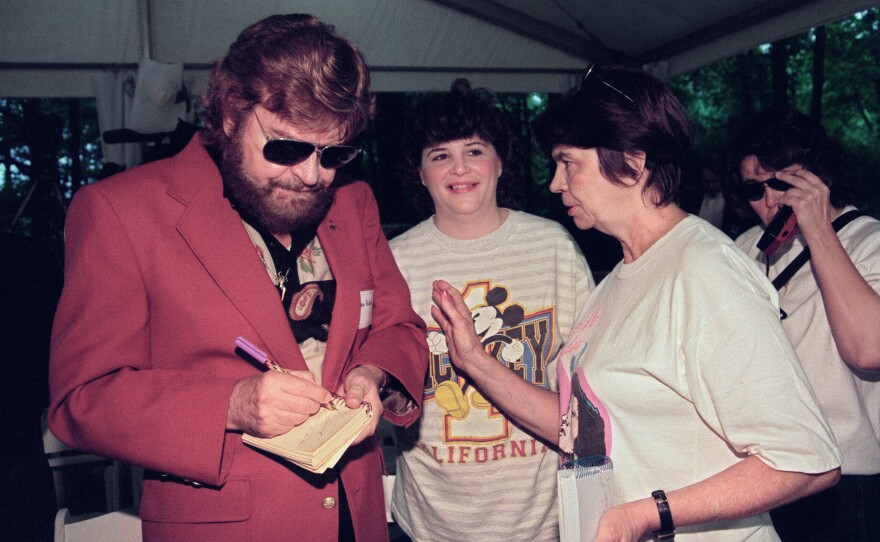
[272,403]
[361,385]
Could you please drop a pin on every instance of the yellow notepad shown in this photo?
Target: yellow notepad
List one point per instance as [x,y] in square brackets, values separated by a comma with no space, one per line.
[318,443]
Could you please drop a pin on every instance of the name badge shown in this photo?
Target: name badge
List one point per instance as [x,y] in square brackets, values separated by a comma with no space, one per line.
[366,309]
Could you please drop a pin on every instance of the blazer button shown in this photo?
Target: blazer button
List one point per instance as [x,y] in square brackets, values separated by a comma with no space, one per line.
[329,503]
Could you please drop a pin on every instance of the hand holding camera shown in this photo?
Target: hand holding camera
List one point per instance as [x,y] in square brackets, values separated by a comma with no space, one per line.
[809,198]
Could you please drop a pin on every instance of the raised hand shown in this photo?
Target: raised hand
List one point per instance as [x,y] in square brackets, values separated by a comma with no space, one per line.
[454,317]
[809,197]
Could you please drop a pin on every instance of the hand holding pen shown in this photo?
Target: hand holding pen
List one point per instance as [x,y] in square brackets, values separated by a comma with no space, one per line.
[269,404]
[251,349]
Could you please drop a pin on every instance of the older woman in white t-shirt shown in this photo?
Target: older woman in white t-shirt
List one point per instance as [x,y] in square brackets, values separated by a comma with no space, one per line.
[692,387]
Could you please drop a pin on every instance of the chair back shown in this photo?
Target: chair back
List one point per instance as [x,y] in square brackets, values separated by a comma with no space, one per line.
[118,526]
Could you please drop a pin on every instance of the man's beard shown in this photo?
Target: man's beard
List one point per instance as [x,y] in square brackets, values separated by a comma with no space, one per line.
[256,202]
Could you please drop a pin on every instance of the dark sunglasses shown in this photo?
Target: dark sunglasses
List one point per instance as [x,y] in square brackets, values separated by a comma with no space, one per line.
[754,190]
[289,152]
[591,73]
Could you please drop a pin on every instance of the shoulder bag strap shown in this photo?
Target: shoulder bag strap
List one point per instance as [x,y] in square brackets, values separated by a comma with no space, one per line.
[802,258]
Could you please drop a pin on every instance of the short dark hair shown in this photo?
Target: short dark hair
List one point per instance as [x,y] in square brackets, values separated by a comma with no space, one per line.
[295,66]
[462,113]
[619,110]
[779,138]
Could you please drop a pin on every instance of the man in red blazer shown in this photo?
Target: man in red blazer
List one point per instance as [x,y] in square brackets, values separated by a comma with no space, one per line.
[244,233]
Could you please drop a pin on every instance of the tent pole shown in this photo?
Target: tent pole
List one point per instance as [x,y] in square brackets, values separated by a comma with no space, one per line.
[146,28]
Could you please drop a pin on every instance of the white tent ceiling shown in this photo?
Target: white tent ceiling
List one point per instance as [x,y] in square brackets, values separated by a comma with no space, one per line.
[56,47]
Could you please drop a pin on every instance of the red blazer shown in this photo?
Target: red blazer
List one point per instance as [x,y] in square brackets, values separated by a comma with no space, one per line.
[160,277]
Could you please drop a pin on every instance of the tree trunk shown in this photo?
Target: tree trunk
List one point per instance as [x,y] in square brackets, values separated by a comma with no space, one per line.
[779,59]
[818,74]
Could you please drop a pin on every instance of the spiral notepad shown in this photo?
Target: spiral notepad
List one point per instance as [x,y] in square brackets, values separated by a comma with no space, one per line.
[585,488]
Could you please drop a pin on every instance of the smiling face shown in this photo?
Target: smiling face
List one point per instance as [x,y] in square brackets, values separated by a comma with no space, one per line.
[281,198]
[767,207]
[461,176]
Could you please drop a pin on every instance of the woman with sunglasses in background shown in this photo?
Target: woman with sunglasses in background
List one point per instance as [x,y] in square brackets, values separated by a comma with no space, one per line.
[832,308]
[465,471]
[705,411]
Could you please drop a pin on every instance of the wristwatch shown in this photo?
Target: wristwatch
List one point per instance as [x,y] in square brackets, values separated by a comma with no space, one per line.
[667,527]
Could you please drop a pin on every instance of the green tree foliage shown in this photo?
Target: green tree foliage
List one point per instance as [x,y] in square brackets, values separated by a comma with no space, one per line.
[48,149]
[852,93]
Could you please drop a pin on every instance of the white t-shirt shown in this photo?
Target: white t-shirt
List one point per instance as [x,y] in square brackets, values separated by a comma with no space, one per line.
[465,472]
[849,398]
[684,369]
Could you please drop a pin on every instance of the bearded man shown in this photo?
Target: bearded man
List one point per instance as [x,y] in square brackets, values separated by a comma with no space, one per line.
[244,233]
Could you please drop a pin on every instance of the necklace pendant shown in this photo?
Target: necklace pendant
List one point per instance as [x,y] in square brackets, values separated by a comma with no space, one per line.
[282,284]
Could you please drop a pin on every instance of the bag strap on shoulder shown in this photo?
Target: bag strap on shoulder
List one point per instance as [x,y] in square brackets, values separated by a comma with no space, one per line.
[802,258]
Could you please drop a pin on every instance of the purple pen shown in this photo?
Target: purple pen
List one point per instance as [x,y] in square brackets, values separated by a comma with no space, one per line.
[250,349]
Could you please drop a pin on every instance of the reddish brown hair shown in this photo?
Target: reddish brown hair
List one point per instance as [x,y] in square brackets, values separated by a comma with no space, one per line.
[298,68]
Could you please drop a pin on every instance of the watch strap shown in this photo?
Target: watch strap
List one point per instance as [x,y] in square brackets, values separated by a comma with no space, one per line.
[667,527]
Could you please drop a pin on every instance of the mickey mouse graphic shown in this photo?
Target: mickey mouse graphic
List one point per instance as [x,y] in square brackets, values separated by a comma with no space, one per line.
[489,320]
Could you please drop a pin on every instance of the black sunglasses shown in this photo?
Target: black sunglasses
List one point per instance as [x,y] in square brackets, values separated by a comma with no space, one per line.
[754,190]
[289,152]
[592,73]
